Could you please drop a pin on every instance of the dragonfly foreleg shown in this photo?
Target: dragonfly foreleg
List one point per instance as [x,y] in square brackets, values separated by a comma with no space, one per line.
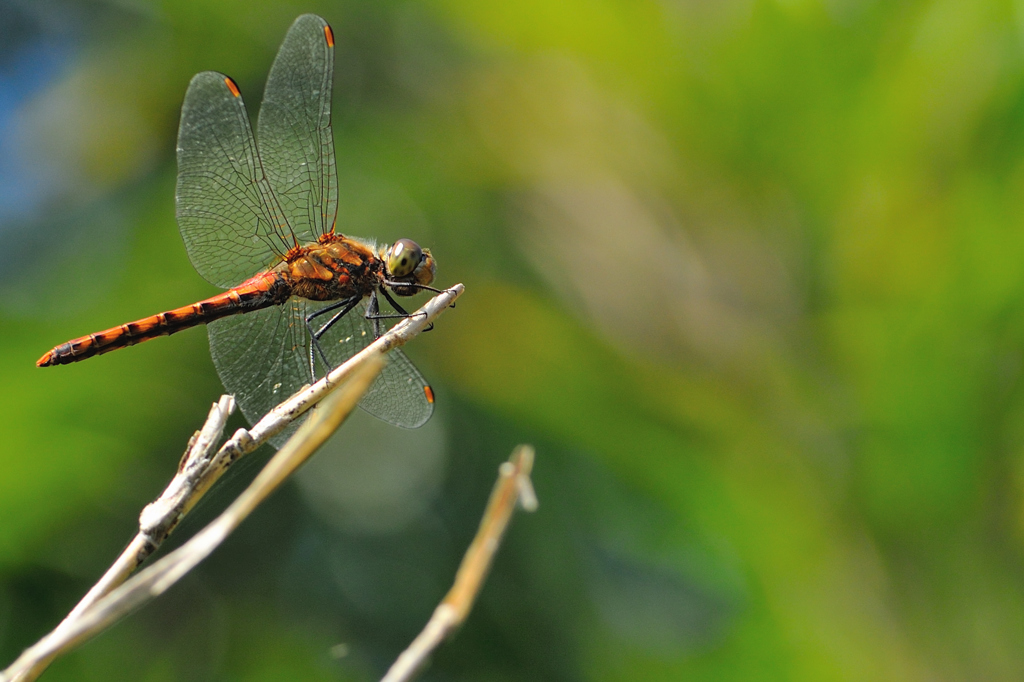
[346,305]
[402,314]
[406,285]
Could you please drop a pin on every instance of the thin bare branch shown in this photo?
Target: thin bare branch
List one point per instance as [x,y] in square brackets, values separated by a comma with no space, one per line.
[154,580]
[199,470]
[195,459]
[513,485]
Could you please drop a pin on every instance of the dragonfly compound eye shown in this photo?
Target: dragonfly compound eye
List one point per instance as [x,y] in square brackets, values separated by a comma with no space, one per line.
[403,257]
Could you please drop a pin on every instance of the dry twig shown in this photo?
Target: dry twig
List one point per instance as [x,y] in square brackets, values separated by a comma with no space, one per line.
[513,485]
[199,471]
[154,580]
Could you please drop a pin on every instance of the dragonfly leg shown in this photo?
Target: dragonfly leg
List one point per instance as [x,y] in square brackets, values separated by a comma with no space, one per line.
[394,304]
[421,287]
[314,335]
[372,308]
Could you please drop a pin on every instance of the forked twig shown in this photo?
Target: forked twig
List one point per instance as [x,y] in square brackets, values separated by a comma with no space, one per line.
[513,486]
[199,471]
[152,532]
[154,580]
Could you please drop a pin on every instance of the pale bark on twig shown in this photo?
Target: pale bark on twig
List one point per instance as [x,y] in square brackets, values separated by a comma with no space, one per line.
[154,580]
[513,486]
[199,471]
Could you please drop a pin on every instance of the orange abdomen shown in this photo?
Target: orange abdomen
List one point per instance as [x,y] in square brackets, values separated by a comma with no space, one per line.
[262,291]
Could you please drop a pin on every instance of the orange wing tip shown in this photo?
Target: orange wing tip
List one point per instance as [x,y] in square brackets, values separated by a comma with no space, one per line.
[329,34]
[429,393]
[232,87]
[46,360]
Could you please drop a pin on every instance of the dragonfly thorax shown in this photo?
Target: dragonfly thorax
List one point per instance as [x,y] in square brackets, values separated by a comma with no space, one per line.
[332,269]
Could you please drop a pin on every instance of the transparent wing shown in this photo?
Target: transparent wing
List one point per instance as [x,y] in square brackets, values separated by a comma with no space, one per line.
[260,357]
[226,211]
[294,130]
[400,395]
[263,357]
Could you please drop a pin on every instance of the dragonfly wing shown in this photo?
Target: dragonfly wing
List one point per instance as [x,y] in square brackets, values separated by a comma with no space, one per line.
[263,357]
[225,208]
[400,395]
[294,130]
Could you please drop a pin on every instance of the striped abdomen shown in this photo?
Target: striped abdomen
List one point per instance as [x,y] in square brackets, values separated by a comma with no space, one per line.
[262,291]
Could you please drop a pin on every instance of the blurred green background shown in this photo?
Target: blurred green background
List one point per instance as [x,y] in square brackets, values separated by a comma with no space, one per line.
[749,273]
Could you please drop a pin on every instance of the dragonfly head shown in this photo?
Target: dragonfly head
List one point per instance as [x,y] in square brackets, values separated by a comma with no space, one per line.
[406,262]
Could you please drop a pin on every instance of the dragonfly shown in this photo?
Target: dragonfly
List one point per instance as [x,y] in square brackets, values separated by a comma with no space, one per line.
[258,218]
